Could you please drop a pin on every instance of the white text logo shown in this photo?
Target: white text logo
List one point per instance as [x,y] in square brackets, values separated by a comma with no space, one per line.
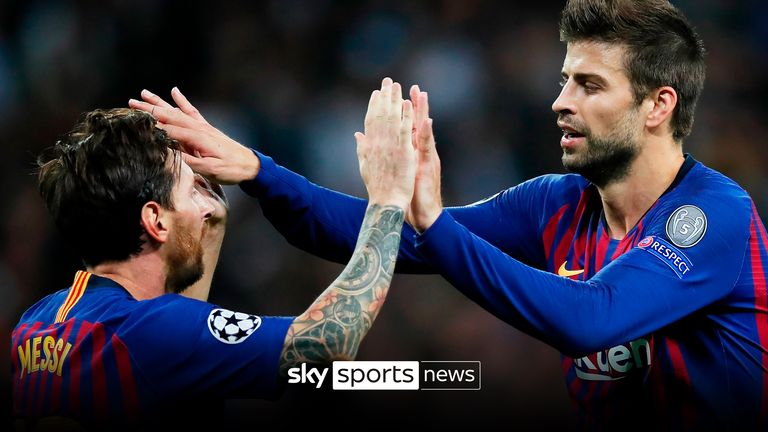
[613,364]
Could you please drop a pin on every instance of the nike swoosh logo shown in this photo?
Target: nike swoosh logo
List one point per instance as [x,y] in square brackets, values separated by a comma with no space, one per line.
[562,271]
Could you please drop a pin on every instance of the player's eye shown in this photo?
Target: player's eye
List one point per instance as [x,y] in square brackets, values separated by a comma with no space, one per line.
[591,88]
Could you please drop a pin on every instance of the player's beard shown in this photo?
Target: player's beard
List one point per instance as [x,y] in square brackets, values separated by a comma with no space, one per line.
[606,159]
[184,266]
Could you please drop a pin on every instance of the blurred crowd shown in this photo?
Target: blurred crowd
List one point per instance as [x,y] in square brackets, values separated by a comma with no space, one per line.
[292,78]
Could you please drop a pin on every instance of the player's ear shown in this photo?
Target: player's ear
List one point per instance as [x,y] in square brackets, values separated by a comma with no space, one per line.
[155,220]
[664,101]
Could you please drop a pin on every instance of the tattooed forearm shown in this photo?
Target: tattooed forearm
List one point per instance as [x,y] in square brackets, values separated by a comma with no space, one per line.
[333,326]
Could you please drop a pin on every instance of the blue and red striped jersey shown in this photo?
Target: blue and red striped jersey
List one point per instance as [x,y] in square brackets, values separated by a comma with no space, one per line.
[668,323]
[94,353]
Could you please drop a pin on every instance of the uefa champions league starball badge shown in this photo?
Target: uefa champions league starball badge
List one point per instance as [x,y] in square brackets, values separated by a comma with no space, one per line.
[686,226]
[232,327]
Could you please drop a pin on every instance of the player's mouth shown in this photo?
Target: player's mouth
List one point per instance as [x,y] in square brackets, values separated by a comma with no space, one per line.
[571,137]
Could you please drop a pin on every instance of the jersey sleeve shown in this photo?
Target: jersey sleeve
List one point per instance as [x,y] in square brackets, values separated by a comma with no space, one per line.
[188,347]
[326,223]
[640,292]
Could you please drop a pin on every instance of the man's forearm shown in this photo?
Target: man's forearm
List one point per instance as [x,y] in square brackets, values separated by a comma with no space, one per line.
[317,220]
[337,321]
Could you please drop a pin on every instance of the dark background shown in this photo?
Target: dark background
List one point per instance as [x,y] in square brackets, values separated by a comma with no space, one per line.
[292,78]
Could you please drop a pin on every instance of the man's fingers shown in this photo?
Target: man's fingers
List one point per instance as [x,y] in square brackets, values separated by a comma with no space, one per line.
[395,104]
[386,93]
[360,149]
[360,139]
[371,113]
[425,138]
[381,110]
[178,97]
[184,104]
[397,97]
[181,134]
[414,94]
[423,106]
[165,115]
[203,166]
[386,82]
[144,106]
[406,125]
[189,139]
[198,165]
[154,99]
[140,105]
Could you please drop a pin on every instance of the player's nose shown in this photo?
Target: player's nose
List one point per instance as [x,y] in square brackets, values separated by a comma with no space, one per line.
[564,104]
[208,210]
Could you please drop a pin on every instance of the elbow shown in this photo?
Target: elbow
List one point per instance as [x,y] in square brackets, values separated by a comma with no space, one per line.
[576,344]
[581,348]
[333,355]
[594,339]
[588,337]
[341,357]
[595,325]
[330,352]
[610,358]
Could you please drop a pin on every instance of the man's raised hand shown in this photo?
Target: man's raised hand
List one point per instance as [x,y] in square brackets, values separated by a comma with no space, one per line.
[207,150]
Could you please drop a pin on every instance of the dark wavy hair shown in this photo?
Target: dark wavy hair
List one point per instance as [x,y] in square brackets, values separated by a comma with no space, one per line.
[96,179]
[663,49]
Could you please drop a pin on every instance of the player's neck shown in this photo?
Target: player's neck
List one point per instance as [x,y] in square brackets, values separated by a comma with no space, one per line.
[143,276]
[627,200]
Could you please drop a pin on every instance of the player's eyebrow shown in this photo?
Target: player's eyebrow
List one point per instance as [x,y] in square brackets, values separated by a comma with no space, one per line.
[593,77]
[583,76]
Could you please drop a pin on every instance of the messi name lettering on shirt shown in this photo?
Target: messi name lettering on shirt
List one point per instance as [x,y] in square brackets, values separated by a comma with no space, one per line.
[41,354]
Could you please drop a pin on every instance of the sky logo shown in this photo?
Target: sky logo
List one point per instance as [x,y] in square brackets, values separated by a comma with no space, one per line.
[391,375]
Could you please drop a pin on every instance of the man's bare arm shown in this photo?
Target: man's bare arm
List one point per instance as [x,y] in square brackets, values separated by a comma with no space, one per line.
[334,325]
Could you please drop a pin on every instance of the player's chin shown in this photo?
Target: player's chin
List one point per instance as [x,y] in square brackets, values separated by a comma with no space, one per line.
[570,156]
[572,160]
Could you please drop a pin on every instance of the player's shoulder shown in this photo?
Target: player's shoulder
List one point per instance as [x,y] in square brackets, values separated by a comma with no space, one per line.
[704,178]
[707,198]
[162,323]
[568,182]
[169,311]
[557,188]
[46,306]
[173,323]
[708,188]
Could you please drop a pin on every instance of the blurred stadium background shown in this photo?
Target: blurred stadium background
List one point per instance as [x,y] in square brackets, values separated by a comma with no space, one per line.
[292,78]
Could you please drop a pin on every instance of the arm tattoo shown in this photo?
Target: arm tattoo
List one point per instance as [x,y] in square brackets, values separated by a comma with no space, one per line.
[333,326]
